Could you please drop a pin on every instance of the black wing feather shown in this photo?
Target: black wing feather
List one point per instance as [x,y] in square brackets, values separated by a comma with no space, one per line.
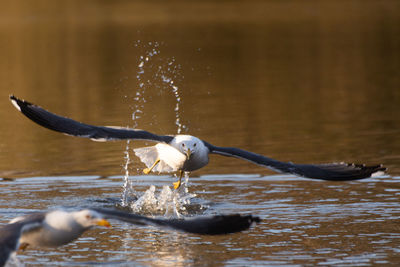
[10,234]
[71,127]
[330,171]
[215,225]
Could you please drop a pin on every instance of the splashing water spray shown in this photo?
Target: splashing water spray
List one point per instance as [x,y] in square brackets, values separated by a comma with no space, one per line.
[165,72]
[137,107]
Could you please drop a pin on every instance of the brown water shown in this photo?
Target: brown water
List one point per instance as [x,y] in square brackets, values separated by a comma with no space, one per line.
[308,82]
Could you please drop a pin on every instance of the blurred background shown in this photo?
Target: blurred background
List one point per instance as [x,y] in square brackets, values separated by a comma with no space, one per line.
[301,81]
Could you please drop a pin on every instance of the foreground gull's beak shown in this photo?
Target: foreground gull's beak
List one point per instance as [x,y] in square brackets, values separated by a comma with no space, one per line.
[23,246]
[103,222]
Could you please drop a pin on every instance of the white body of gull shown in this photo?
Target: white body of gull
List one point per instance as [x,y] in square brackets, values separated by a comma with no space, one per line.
[46,229]
[188,153]
[59,227]
[185,153]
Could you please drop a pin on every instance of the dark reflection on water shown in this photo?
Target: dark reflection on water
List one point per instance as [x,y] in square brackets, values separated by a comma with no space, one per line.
[309,81]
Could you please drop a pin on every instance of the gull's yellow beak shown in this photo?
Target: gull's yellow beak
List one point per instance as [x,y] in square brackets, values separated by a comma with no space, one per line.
[23,246]
[188,153]
[103,222]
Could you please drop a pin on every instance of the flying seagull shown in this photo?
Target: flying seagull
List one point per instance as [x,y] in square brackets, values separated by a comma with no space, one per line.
[49,229]
[59,227]
[186,153]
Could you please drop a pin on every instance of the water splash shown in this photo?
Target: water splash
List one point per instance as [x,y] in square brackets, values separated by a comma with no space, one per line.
[168,76]
[127,187]
[167,202]
[165,74]
[137,107]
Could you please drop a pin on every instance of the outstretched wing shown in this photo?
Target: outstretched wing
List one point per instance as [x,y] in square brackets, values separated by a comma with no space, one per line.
[71,127]
[10,234]
[330,171]
[215,225]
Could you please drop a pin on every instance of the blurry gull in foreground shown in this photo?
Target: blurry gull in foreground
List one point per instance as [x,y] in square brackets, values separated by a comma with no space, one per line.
[186,153]
[46,229]
[59,227]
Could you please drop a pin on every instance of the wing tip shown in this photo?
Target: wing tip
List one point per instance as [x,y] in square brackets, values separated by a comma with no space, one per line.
[16,102]
[378,170]
[238,223]
[372,170]
[252,219]
[19,103]
[377,173]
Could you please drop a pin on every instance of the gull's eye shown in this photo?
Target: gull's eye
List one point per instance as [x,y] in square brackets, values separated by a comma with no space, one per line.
[183,145]
[88,217]
[194,144]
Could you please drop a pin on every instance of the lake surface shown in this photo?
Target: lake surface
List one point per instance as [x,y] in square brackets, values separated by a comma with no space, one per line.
[307,82]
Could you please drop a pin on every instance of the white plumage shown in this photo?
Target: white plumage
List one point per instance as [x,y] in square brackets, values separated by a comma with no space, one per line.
[59,227]
[183,153]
